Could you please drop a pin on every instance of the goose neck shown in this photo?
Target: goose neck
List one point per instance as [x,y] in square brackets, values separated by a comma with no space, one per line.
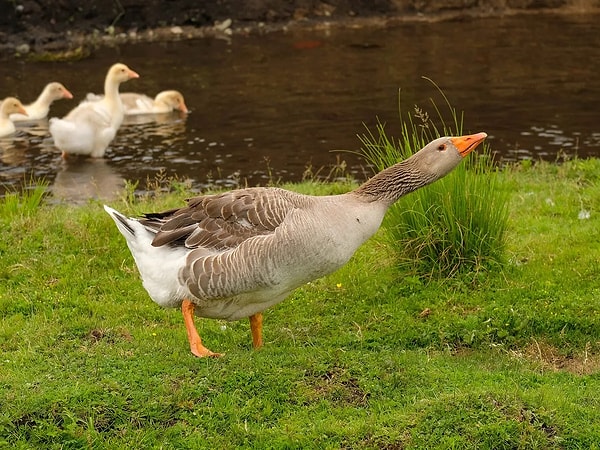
[394,182]
[111,89]
[44,97]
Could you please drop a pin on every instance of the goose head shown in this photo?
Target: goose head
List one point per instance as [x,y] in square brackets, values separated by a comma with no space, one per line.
[429,164]
[57,91]
[173,100]
[11,105]
[119,73]
[441,155]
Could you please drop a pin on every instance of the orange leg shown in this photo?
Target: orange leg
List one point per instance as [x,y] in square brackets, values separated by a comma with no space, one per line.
[256,328]
[199,350]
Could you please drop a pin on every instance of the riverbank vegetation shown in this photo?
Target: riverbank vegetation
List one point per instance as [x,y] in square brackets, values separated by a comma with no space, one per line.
[456,224]
[373,356]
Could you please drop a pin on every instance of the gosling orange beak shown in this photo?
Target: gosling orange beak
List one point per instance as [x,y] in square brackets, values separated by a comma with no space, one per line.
[183,108]
[132,74]
[466,144]
[67,94]
[23,111]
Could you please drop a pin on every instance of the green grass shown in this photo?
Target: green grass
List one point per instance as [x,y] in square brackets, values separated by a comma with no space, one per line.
[365,358]
[22,203]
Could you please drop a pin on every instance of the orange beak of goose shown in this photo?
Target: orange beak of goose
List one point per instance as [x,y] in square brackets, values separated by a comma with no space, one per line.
[67,94]
[466,144]
[132,74]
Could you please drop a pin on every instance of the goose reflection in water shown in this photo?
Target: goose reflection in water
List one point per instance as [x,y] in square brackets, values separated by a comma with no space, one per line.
[160,125]
[79,180]
[13,150]
[15,157]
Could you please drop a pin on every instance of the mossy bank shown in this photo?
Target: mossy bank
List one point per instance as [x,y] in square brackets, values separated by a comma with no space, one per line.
[43,26]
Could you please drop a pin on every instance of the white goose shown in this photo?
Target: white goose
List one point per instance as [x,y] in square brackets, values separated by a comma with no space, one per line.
[137,104]
[91,126]
[9,106]
[39,109]
[232,255]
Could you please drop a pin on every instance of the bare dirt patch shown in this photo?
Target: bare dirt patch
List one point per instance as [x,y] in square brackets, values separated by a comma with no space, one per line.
[551,358]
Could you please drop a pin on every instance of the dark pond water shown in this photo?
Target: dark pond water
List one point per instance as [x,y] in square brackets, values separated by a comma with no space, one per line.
[266,107]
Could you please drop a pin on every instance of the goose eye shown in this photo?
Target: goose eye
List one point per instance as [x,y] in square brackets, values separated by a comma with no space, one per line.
[441,147]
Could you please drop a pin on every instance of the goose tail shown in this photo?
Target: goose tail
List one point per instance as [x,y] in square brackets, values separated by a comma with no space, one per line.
[126,226]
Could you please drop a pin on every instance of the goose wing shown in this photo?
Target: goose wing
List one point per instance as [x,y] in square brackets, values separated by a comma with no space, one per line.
[136,103]
[222,221]
[94,113]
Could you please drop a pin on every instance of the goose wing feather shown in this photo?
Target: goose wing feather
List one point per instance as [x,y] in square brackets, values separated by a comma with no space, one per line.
[136,103]
[222,221]
[94,113]
[85,129]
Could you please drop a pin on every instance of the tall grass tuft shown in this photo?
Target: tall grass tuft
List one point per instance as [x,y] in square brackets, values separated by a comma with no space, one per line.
[458,223]
[23,203]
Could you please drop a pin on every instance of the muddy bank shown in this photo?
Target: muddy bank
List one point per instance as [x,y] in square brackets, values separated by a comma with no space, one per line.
[39,26]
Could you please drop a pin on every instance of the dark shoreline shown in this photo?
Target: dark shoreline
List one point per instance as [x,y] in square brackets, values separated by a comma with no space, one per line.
[44,30]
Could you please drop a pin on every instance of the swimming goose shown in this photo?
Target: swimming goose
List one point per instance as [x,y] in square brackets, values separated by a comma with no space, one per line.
[39,109]
[9,105]
[91,126]
[234,254]
[137,104]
